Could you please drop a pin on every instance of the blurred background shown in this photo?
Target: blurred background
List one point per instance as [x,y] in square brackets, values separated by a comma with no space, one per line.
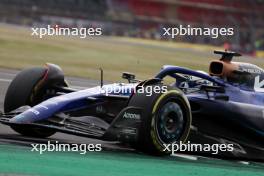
[141,19]
[145,18]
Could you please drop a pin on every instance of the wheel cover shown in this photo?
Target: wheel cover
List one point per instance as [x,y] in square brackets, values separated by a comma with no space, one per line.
[170,122]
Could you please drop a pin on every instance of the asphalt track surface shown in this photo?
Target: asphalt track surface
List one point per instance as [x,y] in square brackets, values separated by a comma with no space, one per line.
[115,151]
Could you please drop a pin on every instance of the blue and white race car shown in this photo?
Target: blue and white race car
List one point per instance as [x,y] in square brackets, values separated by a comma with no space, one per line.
[224,106]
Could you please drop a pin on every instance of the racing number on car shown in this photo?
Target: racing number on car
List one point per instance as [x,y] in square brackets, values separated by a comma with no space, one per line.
[258,85]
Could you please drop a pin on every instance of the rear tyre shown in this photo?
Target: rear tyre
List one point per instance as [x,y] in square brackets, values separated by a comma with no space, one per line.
[166,119]
[24,90]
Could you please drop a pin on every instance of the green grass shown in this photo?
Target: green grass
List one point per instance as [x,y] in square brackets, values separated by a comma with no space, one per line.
[21,161]
[83,57]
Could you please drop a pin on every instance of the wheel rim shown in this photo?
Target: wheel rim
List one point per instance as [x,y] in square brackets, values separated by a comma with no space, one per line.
[170,122]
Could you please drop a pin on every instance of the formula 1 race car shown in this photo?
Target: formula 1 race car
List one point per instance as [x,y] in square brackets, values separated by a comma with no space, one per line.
[223,107]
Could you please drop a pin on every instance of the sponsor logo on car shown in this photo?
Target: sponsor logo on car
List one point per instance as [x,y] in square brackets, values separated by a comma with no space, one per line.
[131,116]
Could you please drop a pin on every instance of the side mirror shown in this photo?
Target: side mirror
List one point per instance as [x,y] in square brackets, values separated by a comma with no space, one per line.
[129,76]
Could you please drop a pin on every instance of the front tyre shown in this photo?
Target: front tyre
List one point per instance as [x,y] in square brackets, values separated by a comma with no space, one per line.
[29,88]
[166,119]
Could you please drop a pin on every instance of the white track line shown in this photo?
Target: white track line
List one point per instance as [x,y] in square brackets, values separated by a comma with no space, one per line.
[8,74]
[189,157]
[76,87]
[5,80]
[79,87]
